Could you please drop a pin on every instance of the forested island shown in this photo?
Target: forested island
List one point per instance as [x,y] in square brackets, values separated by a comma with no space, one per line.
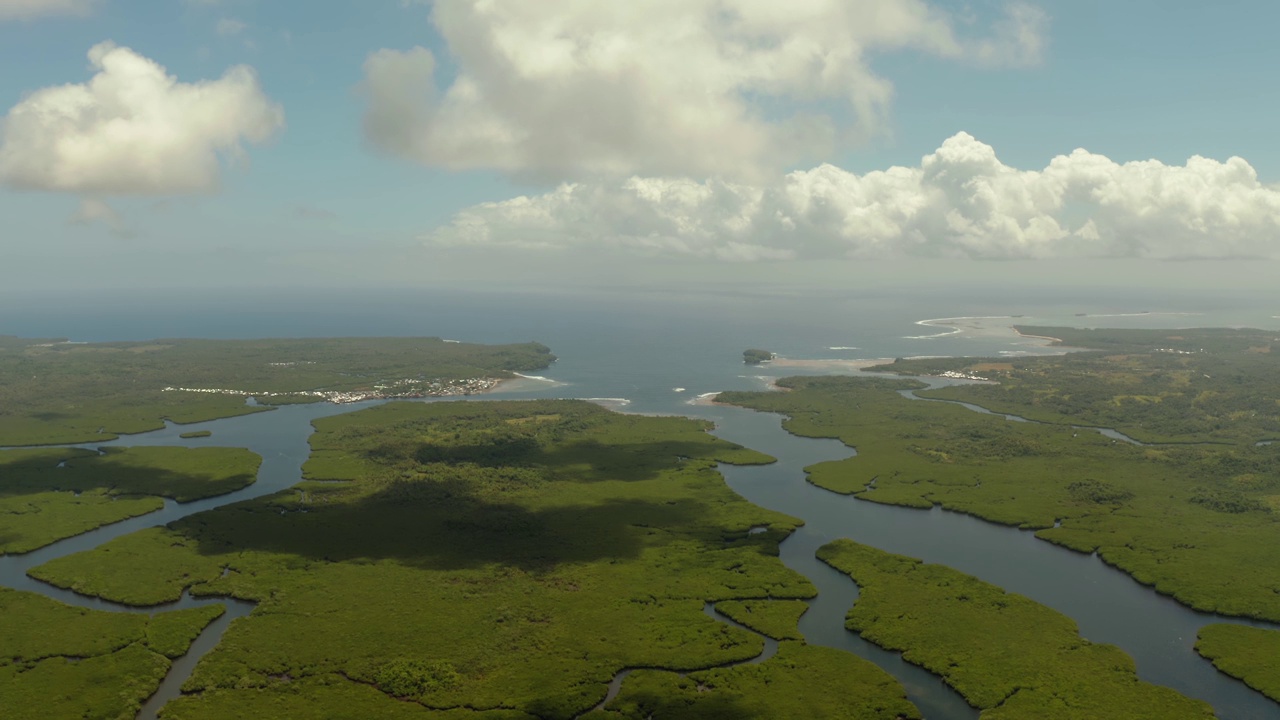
[756,356]
[50,494]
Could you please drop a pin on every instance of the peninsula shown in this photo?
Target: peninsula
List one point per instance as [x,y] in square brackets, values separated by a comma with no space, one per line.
[57,392]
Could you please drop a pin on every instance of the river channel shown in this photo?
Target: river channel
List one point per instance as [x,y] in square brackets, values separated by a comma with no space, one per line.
[1109,606]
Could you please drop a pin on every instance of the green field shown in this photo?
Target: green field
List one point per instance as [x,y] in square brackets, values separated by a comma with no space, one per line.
[508,558]
[60,662]
[49,494]
[55,392]
[1005,654]
[1247,653]
[1184,519]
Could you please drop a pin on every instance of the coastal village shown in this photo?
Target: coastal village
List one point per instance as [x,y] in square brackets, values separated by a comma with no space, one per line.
[407,388]
[958,375]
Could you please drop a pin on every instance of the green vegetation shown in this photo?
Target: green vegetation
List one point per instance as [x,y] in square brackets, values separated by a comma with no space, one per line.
[328,697]
[801,682]
[47,495]
[1245,653]
[1006,655]
[1193,521]
[773,618]
[55,392]
[756,356]
[196,434]
[58,662]
[500,560]
[1159,386]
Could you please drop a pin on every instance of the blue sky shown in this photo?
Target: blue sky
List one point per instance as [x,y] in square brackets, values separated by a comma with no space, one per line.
[322,199]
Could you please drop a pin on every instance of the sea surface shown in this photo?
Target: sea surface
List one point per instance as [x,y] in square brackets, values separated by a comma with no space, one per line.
[657,352]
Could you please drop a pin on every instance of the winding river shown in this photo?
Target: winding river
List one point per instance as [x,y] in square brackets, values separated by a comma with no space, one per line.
[1108,605]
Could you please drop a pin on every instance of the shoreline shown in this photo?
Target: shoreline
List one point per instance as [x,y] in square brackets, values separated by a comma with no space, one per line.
[957,328]
[830,363]
[521,383]
[1035,337]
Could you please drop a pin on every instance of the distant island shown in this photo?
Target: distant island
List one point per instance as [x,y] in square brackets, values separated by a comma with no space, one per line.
[756,356]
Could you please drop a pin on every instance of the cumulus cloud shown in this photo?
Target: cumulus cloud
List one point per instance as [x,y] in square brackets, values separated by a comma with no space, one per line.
[133,129]
[579,88]
[227,27]
[961,202]
[94,210]
[24,9]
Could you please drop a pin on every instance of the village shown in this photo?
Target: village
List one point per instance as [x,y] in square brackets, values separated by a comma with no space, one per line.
[400,389]
[958,375]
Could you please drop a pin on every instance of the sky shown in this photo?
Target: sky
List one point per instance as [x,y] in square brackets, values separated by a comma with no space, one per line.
[333,143]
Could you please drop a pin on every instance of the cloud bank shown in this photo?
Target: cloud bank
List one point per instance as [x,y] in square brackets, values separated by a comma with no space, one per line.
[26,9]
[580,88]
[133,129]
[961,202]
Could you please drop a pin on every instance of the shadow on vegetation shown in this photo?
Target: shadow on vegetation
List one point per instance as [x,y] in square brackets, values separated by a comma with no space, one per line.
[120,472]
[50,416]
[711,705]
[580,460]
[465,506]
[441,524]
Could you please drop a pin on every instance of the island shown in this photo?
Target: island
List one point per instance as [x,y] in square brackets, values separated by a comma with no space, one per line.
[50,494]
[1007,655]
[1246,653]
[755,356]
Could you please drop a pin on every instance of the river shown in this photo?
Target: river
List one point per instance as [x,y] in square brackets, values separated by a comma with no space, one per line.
[658,362]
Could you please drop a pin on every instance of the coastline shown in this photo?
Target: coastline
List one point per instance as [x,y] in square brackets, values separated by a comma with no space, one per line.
[520,383]
[952,322]
[830,364]
[1055,340]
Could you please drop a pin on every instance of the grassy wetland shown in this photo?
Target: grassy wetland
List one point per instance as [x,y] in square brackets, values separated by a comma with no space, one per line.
[73,663]
[49,494]
[1208,385]
[1195,521]
[58,392]
[801,681]
[1246,653]
[1008,656]
[520,559]
[501,560]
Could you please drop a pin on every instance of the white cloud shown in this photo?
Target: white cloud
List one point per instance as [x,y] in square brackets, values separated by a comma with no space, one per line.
[94,210]
[313,212]
[25,9]
[227,27]
[962,201]
[581,88]
[133,129]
